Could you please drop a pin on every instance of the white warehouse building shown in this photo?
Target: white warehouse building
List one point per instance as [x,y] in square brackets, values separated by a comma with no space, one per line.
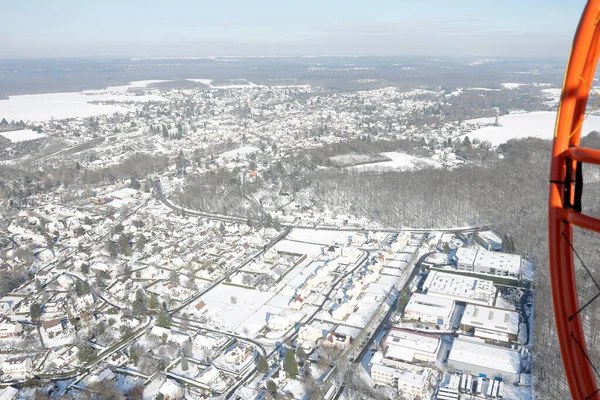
[460,288]
[490,323]
[489,240]
[500,264]
[401,345]
[429,309]
[473,356]
[488,262]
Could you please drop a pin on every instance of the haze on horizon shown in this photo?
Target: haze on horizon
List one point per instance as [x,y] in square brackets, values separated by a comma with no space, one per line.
[138,28]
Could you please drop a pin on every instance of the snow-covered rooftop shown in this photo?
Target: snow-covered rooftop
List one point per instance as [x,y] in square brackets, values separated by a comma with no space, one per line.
[510,263]
[475,352]
[465,288]
[413,341]
[495,319]
[466,255]
[411,378]
[430,305]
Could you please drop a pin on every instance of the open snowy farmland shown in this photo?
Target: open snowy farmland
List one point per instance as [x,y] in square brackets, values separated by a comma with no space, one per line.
[513,126]
[43,107]
[322,237]
[398,161]
[22,135]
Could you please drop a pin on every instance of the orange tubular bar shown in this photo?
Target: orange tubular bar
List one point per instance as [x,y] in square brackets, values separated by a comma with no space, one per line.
[581,220]
[590,156]
[576,87]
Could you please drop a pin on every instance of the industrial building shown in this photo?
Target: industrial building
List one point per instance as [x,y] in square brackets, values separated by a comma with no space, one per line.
[500,264]
[465,258]
[429,309]
[490,323]
[489,240]
[410,346]
[460,288]
[473,356]
[482,261]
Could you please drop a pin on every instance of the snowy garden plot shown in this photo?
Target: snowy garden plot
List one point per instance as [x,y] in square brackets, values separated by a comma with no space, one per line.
[67,337]
[193,369]
[224,313]
[126,382]
[288,246]
[316,236]
[296,388]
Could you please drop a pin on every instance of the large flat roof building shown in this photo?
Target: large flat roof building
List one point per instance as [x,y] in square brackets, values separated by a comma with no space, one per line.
[403,345]
[460,288]
[490,323]
[494,263]
[488,262]
[430,309]
[473,356]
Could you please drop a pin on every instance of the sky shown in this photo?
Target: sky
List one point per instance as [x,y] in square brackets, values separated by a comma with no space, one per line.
[140,28]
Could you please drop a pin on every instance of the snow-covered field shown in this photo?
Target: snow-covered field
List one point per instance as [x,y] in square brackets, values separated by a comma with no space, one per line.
[399,161]
[246,311]
[43,107]
[510,85]
[483,89]
[206,82]
[538,124]
[242,151]
[456,92]
[482,61]
[316,236]
[22,135]
[353,158]
[288,246]
[553,95]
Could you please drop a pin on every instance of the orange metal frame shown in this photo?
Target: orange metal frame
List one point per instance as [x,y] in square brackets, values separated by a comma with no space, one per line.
[561,215]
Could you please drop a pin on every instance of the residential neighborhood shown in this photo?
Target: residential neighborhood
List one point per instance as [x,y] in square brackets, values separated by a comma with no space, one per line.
[166,254]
